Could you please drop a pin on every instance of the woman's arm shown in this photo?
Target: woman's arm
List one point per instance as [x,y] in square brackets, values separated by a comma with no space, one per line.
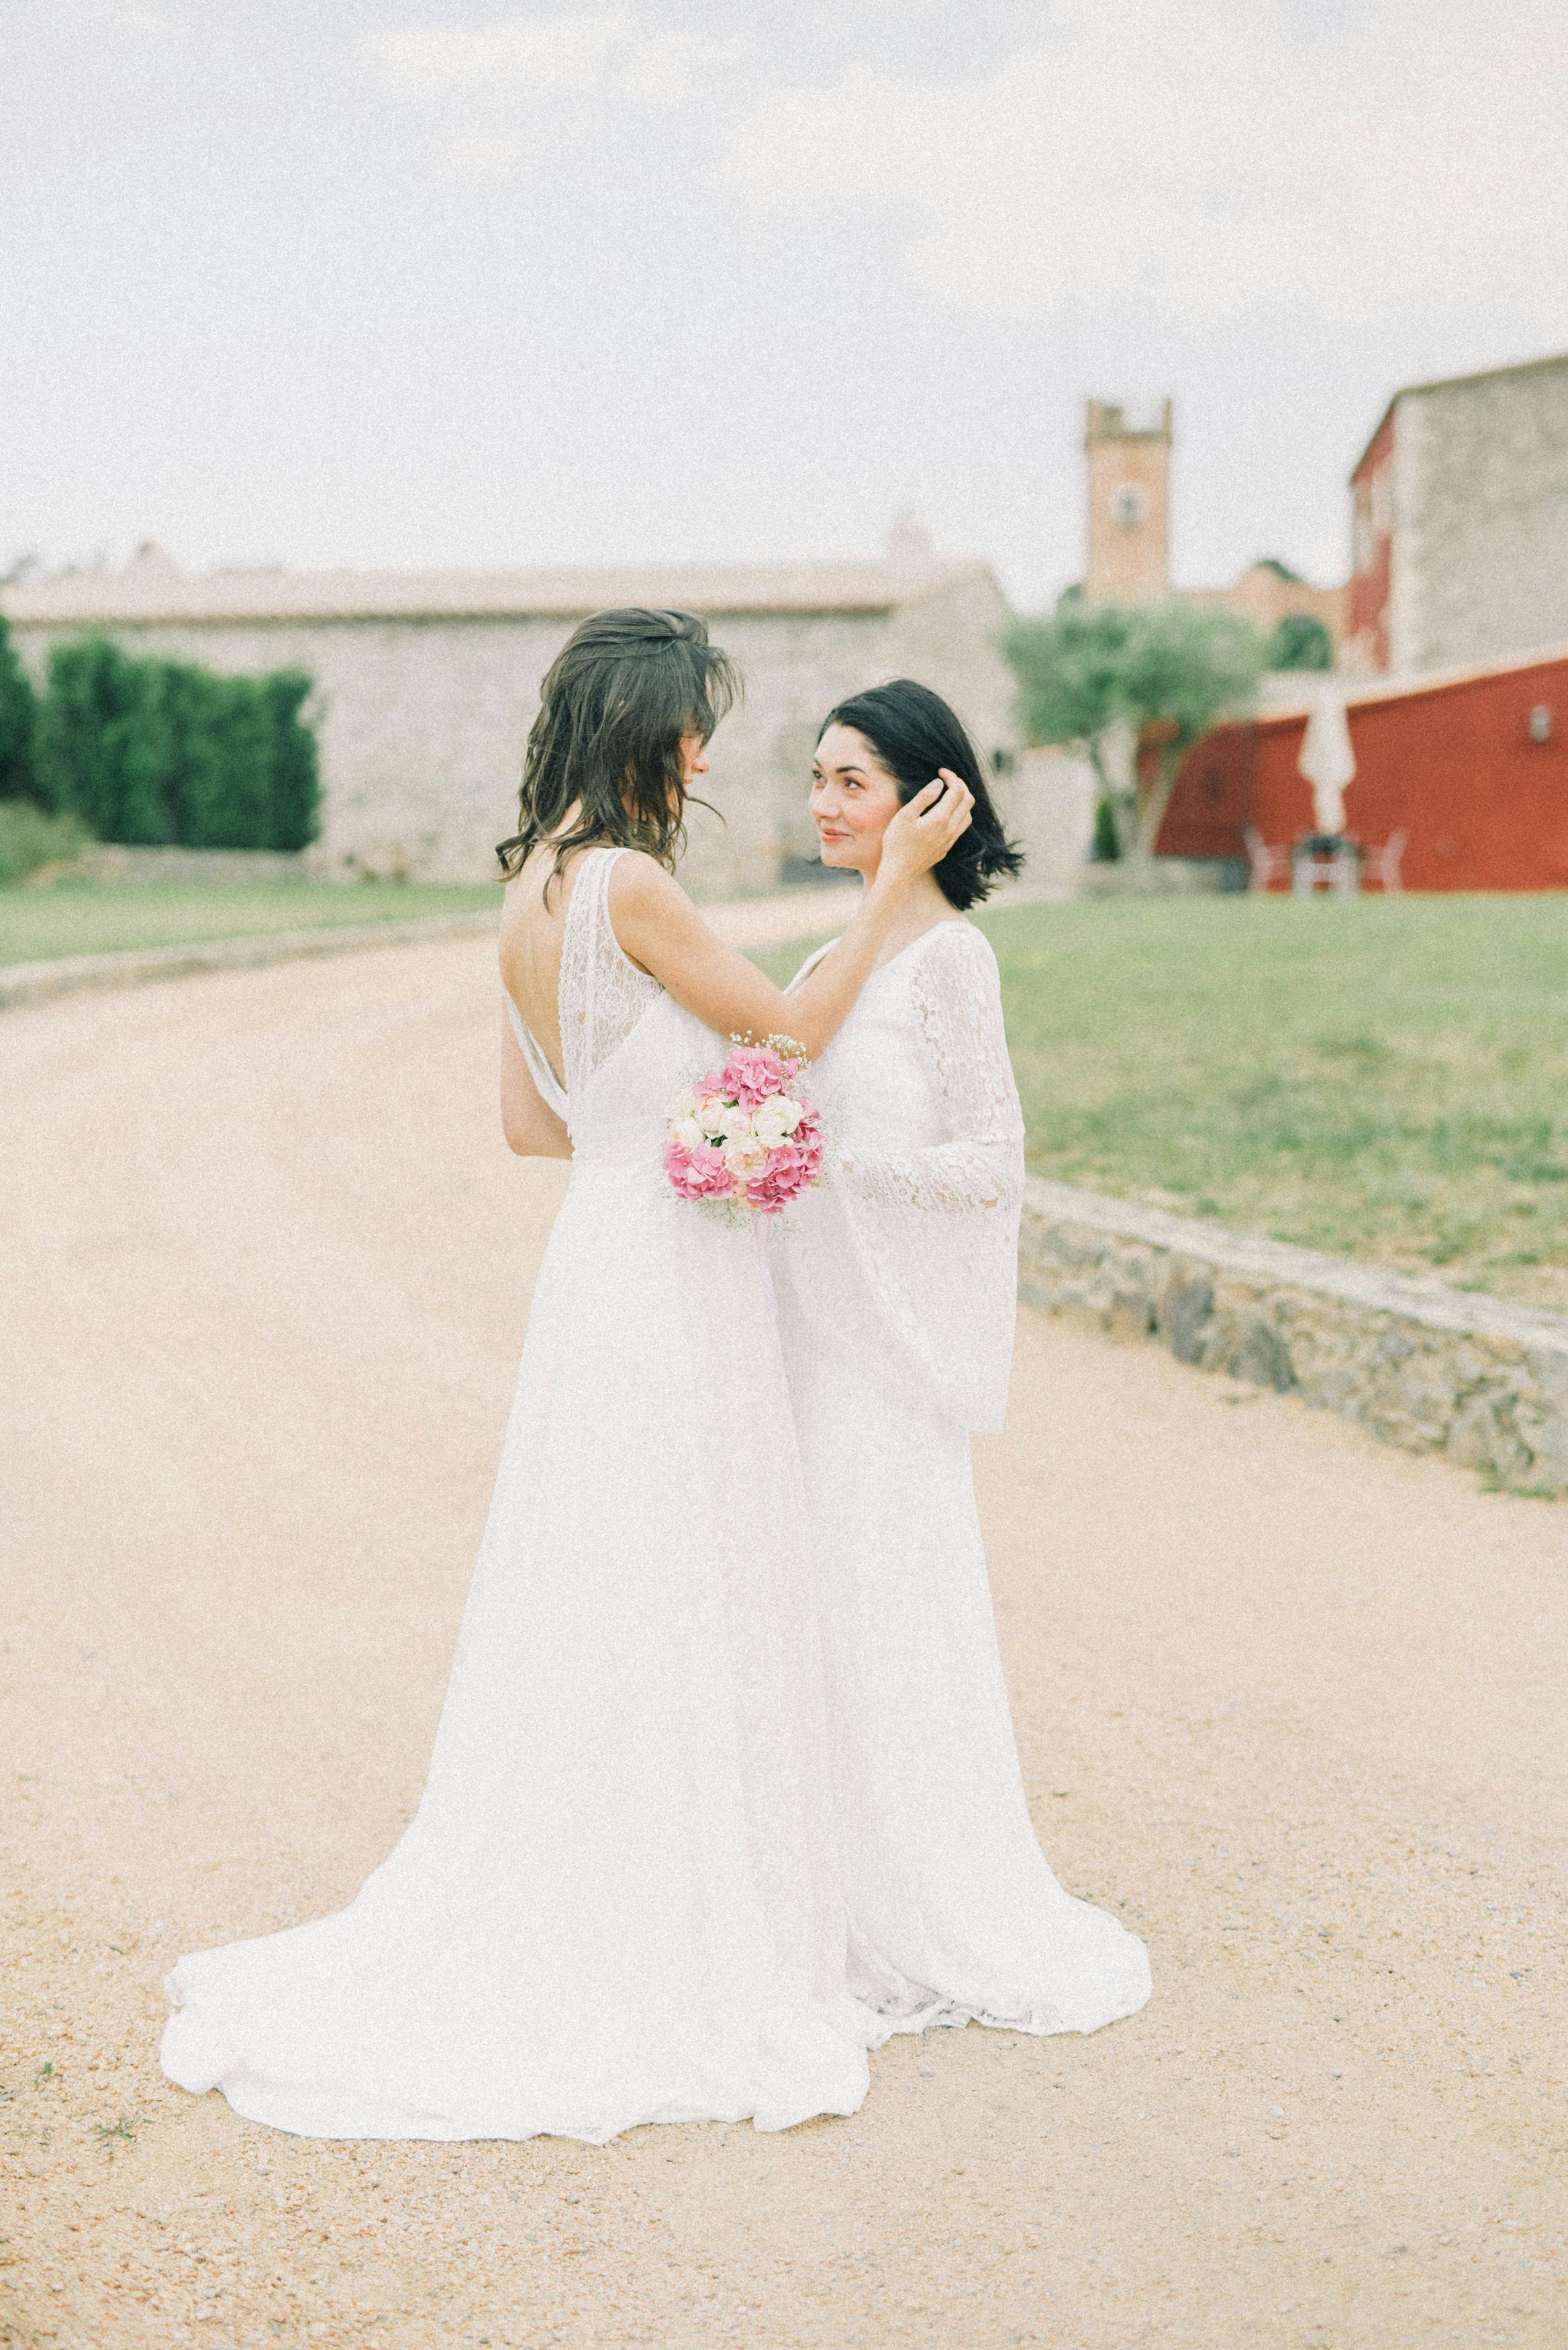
[659,927]
[531,1127]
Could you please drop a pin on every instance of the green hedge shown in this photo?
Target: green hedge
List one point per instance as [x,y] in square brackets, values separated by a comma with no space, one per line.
[152,752]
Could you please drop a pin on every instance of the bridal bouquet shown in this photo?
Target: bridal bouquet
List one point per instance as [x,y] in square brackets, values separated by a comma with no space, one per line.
[741,1138]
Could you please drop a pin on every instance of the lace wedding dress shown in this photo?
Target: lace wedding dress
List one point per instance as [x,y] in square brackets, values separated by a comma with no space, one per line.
[898,1288]
[618,1902]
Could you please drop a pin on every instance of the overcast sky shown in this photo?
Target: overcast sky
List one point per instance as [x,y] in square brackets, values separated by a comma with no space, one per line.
[419,282]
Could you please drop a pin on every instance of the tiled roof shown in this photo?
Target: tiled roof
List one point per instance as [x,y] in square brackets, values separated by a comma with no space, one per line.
[155,590]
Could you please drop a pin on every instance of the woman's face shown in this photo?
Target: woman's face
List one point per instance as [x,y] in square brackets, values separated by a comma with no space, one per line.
[693,762]
[693,759]
[854,799]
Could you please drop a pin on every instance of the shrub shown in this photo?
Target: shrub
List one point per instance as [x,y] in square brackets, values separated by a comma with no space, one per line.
[17,717]
[31,837]
[1300,642]
[1106,846]
[154,752]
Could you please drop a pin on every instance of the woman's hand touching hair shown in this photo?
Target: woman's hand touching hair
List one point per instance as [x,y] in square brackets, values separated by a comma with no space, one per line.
[925,829]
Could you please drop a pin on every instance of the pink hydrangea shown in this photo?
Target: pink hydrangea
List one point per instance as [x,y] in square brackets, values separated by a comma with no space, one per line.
[791,1167]
[751,1074]
[697,1171]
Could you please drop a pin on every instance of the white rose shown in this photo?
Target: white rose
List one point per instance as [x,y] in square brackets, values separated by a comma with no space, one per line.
[686,1130]
[683,1106]
[776,1119]
[746,1158]
[719,1117]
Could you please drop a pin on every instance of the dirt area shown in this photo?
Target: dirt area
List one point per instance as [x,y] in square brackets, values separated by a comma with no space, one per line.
[1291,1702]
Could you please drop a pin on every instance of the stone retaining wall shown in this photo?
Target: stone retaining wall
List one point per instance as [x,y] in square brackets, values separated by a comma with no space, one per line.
[1420,1365]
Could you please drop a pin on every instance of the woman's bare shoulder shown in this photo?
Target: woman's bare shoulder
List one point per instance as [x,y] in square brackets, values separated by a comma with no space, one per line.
[642,884]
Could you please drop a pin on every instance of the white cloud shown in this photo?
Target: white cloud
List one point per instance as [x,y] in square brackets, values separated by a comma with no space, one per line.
[1202,158]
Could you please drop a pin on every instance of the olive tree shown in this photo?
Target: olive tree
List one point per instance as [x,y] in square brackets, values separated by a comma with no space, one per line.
[1103,675]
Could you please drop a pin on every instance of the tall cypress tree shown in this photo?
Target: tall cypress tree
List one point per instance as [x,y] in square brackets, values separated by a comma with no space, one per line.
[18,715]
[295,796]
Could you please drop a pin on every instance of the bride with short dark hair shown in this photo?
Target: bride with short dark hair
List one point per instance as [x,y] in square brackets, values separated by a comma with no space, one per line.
[897,1291]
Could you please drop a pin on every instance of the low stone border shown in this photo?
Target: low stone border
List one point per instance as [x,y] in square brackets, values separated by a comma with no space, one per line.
[1420,1365]
[34,982]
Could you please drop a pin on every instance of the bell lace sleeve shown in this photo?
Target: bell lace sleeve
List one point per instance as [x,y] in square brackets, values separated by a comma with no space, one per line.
[957,997]
[932,1231]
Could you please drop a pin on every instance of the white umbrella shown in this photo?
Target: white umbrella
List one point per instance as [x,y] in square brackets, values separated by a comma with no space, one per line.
[1327,761]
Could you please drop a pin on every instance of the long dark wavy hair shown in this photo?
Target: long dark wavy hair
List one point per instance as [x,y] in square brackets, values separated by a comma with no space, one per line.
[617,698]
[914,733]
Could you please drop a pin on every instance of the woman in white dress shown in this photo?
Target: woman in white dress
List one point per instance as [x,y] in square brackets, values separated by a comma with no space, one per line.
[618,1902]
[897,1287]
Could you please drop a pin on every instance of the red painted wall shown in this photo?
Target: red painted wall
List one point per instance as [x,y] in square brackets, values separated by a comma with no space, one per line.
[1454,766]
[1372,548]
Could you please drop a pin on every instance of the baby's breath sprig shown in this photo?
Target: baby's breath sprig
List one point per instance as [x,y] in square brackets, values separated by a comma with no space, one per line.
[788,1048]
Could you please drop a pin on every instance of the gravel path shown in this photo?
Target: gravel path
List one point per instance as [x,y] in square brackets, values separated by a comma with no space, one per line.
[1289,1700]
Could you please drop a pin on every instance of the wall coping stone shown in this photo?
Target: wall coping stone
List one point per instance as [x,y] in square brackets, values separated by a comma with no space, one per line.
[1422,1365]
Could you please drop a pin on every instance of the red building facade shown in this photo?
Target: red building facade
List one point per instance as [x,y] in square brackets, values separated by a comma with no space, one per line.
[1473,768]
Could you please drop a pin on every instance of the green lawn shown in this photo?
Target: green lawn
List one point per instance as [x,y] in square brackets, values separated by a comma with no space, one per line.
[71,918]
[1383,1079]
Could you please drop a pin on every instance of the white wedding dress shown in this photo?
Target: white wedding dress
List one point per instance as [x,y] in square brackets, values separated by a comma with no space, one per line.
[620,1900]
[898,1288]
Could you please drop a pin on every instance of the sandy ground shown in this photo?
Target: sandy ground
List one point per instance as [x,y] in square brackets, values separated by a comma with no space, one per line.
[1291,1702]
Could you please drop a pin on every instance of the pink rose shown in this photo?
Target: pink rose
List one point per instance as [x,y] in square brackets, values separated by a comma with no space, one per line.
[751,1074]
[697,1171]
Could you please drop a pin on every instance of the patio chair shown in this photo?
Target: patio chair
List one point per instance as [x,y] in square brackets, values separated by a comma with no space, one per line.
[1265,864]
[1382,865]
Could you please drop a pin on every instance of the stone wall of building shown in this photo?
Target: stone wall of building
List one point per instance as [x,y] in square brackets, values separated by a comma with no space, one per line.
[1480,519]
[421,721]
[1422,1366]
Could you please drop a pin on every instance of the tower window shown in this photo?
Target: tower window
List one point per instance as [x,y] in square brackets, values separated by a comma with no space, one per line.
[1129,505]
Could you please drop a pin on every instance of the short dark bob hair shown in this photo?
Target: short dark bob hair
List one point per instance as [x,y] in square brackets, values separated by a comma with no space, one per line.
[618,698]
[914,733]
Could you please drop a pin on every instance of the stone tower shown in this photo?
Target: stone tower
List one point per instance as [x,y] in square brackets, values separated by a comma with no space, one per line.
[1130,507]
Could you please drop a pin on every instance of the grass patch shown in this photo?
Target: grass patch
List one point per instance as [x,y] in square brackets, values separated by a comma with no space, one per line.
[30,838]
[1382,1078]
[74,918]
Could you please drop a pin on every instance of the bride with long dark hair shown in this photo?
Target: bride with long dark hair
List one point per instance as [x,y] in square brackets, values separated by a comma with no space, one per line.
[620,1900]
